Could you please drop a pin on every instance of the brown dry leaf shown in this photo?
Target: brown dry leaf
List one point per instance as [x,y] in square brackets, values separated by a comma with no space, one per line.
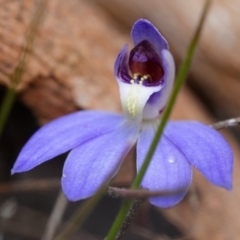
[72,62]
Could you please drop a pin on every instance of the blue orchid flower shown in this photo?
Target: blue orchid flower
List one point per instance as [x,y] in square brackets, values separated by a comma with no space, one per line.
[99,141]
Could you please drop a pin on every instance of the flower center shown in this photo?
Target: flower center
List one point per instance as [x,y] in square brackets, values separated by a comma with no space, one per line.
[145,64]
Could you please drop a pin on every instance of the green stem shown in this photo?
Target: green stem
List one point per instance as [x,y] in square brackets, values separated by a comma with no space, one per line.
[6,107]
[10,95]
[180,79]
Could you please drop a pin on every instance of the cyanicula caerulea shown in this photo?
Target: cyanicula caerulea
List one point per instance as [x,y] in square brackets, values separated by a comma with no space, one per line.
[99,141]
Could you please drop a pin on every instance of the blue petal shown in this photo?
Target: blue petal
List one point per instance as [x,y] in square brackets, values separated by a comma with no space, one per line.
[145,30]
[158,100]
[96,161]
[62,135]
[205,149]
[169,170]
[121,66]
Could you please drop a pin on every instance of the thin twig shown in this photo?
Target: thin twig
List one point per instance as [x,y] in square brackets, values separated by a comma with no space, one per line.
[232,122]
[137,193]
[34,185]
[55,217]
[53,183]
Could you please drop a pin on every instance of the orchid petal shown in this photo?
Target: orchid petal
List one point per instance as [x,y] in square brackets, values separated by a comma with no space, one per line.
[205,149]
[145,30]
[96,161]
[158,100]
[168,170]
[62,135]
[133,96]
[121,66]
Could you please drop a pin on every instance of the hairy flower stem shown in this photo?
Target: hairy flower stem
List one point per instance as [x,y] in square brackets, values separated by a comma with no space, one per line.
[180,79]
[6,107]
[130,217]
[10,95]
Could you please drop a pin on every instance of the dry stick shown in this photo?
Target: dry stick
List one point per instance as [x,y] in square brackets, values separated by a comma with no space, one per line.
[232,122]
[137,193]
[53,183]
[49,184]
[34,185]
[55,217]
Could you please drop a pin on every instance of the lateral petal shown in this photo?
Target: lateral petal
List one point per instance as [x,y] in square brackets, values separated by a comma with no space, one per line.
[168,170]
[96,161]
[157,101]
[205,149]
[62,135]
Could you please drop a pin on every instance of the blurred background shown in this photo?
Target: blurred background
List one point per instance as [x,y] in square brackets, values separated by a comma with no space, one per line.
[71,68]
